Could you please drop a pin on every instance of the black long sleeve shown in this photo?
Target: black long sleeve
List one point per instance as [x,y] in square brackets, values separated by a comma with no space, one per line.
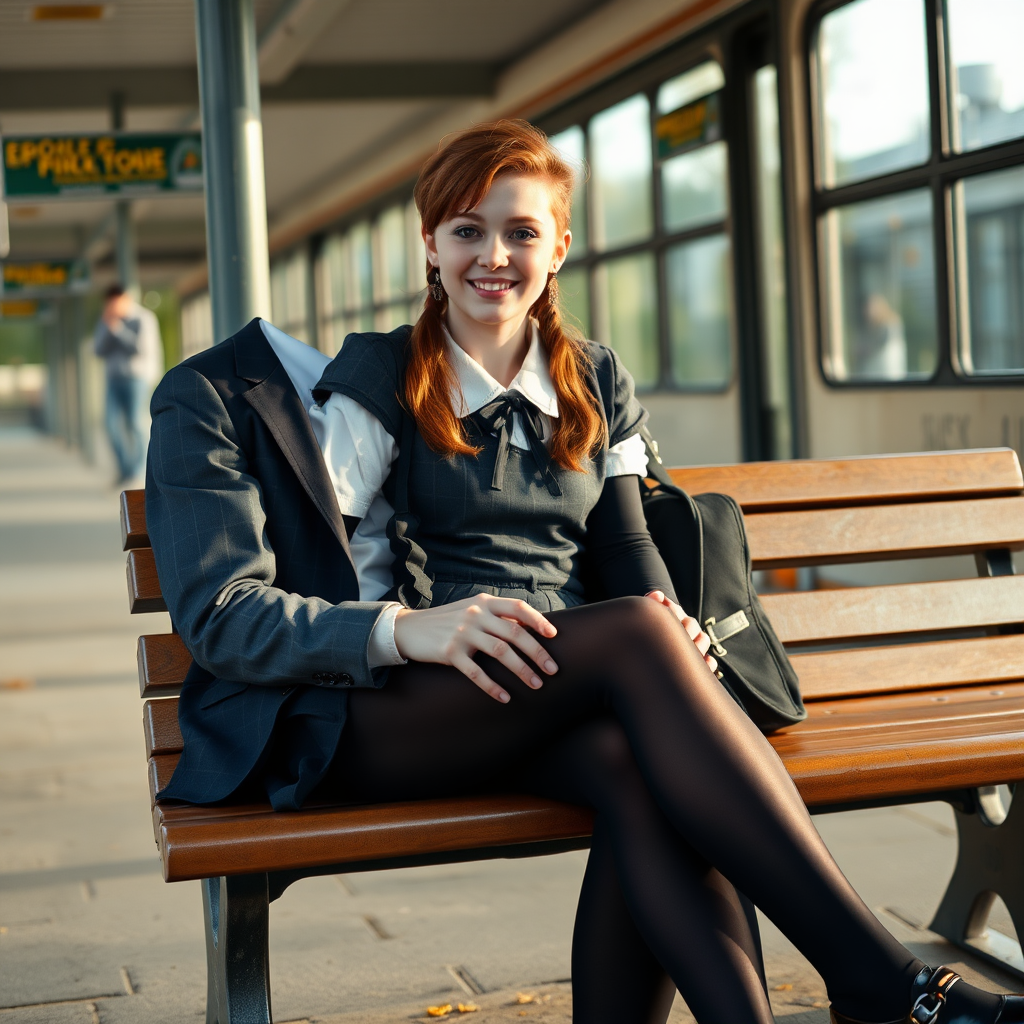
[620,549]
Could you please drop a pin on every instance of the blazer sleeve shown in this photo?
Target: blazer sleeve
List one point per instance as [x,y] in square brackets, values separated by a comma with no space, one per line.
[204,511]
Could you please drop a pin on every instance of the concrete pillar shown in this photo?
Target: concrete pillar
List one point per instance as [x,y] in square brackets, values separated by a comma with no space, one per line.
[236,205]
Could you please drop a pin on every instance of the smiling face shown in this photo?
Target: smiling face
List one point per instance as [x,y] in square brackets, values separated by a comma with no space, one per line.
[495,259]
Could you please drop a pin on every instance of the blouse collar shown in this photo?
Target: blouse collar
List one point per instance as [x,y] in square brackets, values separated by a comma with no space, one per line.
[476,387]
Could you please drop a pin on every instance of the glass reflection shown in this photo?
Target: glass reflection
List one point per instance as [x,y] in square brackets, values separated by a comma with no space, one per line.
[627,316]
[700,81]
[873,65]
[391,231]
[986,74]
[990,256]
[574,297]
[571,144]
[693,188]
[881,289]
[620,156]
[697,277]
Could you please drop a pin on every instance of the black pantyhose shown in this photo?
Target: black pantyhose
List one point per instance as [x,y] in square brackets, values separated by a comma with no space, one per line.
[694,796]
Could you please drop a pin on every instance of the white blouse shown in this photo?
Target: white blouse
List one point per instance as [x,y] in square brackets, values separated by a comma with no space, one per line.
[359,452]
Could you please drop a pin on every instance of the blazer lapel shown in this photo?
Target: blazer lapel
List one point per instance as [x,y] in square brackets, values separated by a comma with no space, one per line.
[273,398]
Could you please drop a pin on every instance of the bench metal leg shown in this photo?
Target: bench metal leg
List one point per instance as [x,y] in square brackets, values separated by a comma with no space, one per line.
[990,863]
[237,913]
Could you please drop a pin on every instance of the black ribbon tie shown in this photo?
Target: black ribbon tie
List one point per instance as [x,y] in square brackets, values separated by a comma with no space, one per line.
[497,417]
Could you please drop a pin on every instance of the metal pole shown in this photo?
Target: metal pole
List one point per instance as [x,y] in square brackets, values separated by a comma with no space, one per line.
[124,245]
[236,205]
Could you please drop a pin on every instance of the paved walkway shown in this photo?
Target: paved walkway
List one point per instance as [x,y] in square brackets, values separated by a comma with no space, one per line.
[90,933]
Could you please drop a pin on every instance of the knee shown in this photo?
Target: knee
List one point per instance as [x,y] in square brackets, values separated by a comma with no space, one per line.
[641,618]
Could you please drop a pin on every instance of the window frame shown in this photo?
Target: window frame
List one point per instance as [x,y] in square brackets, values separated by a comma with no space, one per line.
[647,78]
[939,174]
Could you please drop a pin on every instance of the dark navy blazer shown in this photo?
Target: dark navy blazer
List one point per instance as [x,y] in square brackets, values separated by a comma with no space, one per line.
[255,568]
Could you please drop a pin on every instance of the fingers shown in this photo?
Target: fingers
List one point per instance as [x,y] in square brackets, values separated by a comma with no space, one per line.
[509,618]
[475,674]
[696,634]
[712,662]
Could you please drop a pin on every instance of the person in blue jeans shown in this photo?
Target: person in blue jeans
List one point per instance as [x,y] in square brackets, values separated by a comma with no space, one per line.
[127,339]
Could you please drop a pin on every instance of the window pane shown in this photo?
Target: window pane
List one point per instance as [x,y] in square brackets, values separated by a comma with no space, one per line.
[693,187]
[627,315]
[570,144]
[360,291]
[416,253]
[873,61]
[574,297]
[620,156]
[697,275]
[986,74]
[278,294]
[881,289]
[391,259]
[990,256]
[691,85]
[390,317]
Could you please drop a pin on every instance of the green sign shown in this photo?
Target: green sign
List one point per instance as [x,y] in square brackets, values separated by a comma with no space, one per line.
[694,125]
[43,277]
[40,167]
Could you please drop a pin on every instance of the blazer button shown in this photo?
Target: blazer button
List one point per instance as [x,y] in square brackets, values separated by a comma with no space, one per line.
[346,679]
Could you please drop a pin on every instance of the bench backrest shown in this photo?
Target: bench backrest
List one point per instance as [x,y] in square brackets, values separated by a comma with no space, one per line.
[802,513]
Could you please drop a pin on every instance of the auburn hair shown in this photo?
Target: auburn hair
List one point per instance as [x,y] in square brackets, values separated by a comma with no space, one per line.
[454,180]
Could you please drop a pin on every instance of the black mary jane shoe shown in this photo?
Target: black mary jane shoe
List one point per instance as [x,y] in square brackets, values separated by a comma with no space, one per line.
[928,994]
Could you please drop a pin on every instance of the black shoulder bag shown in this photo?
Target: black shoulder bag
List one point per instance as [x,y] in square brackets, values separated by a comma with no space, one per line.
[704,544]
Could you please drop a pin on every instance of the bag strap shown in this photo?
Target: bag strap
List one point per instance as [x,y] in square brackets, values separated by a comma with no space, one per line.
[655,466]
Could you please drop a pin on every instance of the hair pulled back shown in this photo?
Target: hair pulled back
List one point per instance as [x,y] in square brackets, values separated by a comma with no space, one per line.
[455,179]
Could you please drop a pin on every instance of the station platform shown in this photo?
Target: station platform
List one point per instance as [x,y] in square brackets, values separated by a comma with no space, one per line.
[89,932]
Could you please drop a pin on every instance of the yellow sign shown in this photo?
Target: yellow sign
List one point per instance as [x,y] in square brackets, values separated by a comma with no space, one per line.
[22,276]
[694,125]
[19,308]
[125,163]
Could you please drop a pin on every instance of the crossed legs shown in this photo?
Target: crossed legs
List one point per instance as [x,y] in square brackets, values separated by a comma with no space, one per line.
[718,805]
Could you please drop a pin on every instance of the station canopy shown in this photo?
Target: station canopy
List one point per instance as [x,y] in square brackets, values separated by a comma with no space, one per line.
[341,81]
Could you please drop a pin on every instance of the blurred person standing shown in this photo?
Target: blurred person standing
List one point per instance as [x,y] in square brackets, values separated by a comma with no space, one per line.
[127,339]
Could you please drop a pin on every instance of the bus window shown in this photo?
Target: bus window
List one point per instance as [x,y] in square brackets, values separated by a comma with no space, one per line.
[989,236]
[986,74]
[620,158]
[873,102]
[702,80]
[699,303]
[574,296]
[881,289]
[571,143]
[288,295]
[693,188]
[627,313]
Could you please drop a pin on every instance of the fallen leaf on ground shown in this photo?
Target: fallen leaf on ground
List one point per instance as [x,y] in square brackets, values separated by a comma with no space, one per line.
[439,1011]
[783,988]
[468,1007]
[525,997]
[17,684]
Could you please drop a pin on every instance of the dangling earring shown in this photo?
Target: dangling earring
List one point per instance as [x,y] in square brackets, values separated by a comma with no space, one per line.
[436,288]
[553,286]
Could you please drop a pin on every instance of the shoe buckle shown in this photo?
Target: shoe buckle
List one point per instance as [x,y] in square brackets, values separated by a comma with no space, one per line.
[926,1008]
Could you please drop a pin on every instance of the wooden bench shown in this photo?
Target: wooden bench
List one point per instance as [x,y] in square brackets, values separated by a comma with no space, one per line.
[914,692]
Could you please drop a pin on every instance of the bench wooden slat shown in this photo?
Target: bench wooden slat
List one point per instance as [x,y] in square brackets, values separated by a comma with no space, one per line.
[143,583]
[294,839]
[163,664]
[802,483]
[833,536]
[831,615]
[830,762]
[160,717]
[923,666]
[759,486]
[133,520]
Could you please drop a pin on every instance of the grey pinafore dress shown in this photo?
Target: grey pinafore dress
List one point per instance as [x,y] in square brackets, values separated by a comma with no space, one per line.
[507,522]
